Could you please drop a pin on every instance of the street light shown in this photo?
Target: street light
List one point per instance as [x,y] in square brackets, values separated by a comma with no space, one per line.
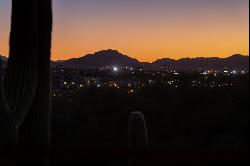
[115,69]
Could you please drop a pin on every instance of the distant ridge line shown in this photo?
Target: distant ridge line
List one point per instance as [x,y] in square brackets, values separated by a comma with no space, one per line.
[115,58]
[111,57]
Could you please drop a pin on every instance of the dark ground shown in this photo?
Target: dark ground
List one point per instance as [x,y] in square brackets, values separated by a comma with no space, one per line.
[186,125]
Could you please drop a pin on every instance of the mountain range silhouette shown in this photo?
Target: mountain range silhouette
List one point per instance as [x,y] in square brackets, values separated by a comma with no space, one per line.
[100,59]
[234,62]
[114,58]
[111,57]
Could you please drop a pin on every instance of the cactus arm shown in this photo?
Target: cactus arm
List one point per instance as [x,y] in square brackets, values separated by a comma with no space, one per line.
[8,134]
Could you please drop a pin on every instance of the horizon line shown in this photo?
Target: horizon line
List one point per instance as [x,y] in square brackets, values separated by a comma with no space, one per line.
[54,60]
[152,61]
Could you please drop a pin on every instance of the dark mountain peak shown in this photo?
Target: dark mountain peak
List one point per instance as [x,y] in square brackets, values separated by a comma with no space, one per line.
[108,52]
[101,59]
[165,60]
[185,59]
[237,56]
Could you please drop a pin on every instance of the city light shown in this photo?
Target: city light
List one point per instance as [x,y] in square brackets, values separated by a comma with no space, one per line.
[115,69]
[130,91]
[234,72]
[204,73]
[207,78]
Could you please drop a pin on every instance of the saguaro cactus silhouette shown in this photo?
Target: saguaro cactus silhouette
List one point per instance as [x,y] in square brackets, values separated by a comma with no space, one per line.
[38,114]
[138,138]
[24,100]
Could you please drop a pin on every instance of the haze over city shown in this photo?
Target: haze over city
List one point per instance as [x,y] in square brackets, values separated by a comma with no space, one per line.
[144,29]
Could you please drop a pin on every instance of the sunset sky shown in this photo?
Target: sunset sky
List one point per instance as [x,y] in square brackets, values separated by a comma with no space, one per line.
[144,29]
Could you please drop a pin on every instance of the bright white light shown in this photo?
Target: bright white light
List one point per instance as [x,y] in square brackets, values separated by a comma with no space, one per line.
[205,73]
[234,72]
[115,69]
[130,91]
[65,83]
[98,85]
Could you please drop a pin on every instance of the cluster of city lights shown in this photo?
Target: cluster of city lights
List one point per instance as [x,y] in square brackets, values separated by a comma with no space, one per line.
[226,72]
[115,78]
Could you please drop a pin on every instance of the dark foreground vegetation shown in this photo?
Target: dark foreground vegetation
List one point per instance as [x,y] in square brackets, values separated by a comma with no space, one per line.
[185,125]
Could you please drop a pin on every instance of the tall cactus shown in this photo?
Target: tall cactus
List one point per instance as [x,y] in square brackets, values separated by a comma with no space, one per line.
[18,89]
[138,138]
[24,100]
[39,113]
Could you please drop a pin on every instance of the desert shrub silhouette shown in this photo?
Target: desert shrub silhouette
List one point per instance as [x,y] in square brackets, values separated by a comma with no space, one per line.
[25,91]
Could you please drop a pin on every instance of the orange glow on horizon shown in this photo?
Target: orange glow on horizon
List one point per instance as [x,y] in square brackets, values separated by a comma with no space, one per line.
[180,44]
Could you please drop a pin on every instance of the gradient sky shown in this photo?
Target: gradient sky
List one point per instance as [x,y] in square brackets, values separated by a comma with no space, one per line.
[144,29]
